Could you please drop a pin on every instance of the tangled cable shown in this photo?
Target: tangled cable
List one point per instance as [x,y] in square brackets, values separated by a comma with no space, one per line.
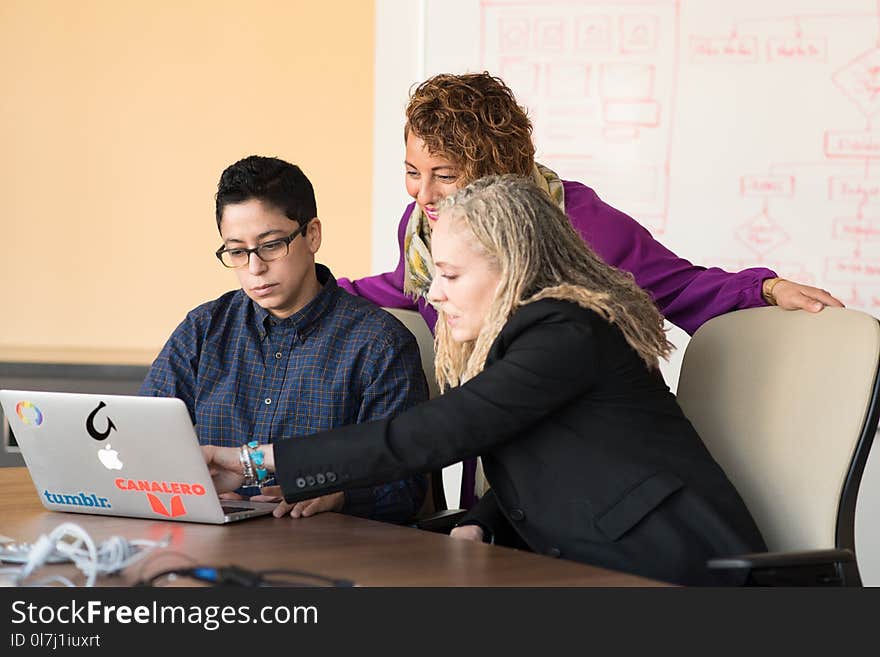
[70,542]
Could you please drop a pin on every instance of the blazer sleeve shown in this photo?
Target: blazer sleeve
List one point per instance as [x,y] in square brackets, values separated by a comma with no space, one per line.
[487,516]
[545,358]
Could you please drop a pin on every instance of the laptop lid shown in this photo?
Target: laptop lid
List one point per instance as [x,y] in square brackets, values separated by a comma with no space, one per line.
[117,455]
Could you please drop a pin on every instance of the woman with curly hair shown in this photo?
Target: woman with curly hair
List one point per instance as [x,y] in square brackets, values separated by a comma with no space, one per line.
[462,127]
[548,360]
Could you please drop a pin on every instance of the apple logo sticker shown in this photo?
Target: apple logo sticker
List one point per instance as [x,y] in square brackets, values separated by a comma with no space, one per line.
[109,458]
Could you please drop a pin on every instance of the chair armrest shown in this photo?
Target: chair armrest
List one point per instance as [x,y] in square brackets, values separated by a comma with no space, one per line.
[807,567]
[783,559]
[441,522]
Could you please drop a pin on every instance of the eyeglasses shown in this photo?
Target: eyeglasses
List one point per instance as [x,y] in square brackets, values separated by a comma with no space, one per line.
[267,251]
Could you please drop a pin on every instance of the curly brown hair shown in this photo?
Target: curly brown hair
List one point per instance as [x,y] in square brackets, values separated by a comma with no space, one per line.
[474,121]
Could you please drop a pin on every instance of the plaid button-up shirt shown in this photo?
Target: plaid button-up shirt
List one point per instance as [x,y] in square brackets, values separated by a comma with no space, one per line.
[340,360]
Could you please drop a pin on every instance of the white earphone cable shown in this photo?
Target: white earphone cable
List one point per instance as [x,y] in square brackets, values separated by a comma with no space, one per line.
[74,544]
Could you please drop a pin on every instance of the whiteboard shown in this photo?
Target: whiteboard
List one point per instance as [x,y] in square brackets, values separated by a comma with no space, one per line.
[740,134]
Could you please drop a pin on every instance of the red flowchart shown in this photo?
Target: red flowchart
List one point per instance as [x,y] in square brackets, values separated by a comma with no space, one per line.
[601,82]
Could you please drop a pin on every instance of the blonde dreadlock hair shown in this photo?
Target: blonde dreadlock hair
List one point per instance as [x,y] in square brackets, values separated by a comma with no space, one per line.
[539,256]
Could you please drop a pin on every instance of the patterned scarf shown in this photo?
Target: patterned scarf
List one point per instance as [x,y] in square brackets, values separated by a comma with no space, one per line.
[418,265]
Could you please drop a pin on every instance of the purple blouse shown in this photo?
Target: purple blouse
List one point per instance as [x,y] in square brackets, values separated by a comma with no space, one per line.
[686,294]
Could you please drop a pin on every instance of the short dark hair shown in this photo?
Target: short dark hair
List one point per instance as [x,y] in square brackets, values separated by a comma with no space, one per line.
[270,180]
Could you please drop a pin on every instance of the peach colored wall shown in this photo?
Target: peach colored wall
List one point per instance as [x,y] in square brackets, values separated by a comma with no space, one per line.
[116,119]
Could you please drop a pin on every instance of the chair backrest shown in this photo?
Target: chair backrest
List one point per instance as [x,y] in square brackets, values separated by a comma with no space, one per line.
[435,500]
[414,322]
[786,402]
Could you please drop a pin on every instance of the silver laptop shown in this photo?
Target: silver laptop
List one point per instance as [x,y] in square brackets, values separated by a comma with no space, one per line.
[118,455]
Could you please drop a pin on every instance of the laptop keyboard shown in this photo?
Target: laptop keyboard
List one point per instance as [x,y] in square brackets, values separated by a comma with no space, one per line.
[234,509]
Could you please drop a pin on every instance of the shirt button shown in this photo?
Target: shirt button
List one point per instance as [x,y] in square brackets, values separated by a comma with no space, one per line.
[331,477]
[279,355]
[320,478]
[517,515]
[300,483]
[554,552]
[310,480]
[268,400]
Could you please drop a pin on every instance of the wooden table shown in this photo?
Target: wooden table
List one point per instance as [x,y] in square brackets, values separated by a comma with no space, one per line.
[366,552]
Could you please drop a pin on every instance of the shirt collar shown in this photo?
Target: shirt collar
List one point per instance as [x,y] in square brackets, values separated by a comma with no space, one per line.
[307,318]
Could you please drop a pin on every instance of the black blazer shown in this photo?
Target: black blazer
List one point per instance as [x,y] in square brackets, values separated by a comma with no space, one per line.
[587,452]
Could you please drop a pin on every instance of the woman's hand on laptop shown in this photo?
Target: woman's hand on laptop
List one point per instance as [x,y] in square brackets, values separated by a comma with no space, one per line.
[268,494]
[224,466]
[314,506]
[303,509]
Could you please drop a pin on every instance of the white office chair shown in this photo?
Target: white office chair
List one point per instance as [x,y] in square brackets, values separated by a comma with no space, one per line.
[416,325]
[786,402]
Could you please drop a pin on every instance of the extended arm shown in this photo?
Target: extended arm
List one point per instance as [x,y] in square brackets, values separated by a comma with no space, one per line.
[687,295]
[546,362]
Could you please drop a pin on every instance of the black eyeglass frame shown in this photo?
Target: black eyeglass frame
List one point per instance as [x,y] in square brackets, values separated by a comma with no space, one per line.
[256,250]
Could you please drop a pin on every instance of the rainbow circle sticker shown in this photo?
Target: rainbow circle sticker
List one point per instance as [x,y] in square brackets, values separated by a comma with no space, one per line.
[29,413]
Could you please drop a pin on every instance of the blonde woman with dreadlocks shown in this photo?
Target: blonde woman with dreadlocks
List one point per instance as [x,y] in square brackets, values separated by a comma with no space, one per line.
[548,359]
[462,127]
